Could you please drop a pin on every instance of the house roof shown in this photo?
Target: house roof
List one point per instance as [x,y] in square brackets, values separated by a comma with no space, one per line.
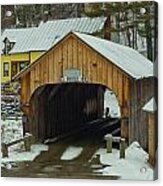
[23,38]
[125,58]
[150,106]
[43,37]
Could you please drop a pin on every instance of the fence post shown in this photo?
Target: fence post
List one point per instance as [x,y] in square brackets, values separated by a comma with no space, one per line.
[27,144]
[4,150]
[122,147]
[108,139]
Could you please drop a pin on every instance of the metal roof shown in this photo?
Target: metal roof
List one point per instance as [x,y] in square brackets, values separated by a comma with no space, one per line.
[22,37]
[47,34]
[127,59]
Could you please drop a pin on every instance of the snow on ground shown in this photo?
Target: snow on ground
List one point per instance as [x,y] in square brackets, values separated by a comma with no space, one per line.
[11,130]
[25,156]
[71,152]
[150,106]
[133,167]
[110,101]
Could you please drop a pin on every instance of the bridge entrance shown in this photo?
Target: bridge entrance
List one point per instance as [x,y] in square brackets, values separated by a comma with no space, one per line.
[60,108]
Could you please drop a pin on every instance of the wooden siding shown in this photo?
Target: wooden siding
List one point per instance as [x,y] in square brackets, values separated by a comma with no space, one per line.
[141,92]
[152,137]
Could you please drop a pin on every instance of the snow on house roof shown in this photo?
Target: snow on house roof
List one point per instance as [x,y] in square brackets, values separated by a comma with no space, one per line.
[150,106]
[43,37]
[126,58]
[22,37]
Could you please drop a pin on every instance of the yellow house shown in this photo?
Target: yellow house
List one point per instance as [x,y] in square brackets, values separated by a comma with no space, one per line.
[11,64]
[16,53]
[22,46]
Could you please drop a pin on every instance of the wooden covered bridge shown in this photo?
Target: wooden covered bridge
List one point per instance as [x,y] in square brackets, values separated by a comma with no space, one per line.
[75,72]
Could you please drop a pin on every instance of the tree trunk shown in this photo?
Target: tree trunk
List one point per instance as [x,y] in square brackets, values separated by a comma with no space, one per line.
[107,33]
[149,36]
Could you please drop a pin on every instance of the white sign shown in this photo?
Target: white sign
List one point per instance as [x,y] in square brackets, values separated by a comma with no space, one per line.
[72,75]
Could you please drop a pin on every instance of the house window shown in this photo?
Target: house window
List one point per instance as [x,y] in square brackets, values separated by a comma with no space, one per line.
[22,65]
[5,69]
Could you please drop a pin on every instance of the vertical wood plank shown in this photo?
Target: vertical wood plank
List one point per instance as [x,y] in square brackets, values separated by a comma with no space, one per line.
[94,67]
[75,53]
[69,51]
[84,70]
[80,58]
[65,57]
[119,91]
[32,80]
[57,66]
[109,75]
[51,68]
[115,83]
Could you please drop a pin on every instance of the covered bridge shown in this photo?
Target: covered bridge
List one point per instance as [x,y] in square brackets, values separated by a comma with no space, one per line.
[78,57]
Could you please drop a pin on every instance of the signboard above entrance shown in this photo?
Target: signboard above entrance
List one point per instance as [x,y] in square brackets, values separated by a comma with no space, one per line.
[72,75]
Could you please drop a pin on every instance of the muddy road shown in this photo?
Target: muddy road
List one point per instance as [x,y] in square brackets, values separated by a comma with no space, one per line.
[50,165]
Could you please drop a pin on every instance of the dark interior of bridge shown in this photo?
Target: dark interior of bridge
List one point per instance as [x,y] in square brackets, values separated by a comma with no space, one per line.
[56,109]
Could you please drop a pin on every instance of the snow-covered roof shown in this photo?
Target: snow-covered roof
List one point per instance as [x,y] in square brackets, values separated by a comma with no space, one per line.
[126,58]
[23,38]
[43,37]
[150,106]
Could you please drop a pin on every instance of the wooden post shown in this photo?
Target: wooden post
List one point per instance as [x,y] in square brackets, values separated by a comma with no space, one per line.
[27,144]
[108,139]
[125,128]
[4,150]
[152,138]
[32,140]
[122,148]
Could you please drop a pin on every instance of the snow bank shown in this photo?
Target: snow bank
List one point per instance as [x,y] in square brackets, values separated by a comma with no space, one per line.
[133,167]
[25,156]
[110,101]
[71,152]
[11,130]
[150,106]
